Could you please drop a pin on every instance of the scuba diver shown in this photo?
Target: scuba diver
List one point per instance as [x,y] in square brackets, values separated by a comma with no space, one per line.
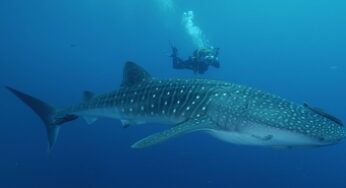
[200,60]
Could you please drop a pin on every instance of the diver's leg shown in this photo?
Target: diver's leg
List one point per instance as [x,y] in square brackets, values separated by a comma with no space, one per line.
[178,63]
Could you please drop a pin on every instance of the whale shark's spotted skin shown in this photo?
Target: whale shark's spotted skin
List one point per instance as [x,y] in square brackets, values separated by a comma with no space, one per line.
[232,112]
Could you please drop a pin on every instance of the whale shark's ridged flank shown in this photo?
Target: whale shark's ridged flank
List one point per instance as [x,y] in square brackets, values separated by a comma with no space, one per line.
[231,112]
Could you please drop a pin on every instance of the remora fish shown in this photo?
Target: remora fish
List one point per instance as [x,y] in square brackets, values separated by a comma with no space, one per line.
[231,112]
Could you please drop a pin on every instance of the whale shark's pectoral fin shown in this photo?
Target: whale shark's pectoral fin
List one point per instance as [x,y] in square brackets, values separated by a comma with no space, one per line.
[180,129]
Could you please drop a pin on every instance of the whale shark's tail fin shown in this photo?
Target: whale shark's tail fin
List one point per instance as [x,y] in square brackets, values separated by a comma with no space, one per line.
[47,114]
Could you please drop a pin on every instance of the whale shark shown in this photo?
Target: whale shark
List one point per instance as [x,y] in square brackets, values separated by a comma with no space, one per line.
[231,112]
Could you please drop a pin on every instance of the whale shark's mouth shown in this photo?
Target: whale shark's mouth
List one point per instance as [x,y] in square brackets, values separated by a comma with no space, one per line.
[262,135]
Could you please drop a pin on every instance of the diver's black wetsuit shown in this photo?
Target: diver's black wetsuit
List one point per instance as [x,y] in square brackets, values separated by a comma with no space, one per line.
[197,63]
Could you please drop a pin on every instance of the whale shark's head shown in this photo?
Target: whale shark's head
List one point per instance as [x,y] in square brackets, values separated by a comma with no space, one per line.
[305,126]
[325,128]
[310,131]
[279,124]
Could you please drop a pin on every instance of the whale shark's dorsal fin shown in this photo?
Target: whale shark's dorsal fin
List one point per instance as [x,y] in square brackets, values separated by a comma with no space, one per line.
[134,74]
[87,96]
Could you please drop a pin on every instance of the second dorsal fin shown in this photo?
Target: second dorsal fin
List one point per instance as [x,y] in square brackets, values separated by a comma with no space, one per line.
[87,96]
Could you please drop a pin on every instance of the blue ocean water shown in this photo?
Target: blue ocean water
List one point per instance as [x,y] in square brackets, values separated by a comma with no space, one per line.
[57,49]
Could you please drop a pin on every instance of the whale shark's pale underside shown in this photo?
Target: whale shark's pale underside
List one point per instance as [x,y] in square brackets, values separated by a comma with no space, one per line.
[231,112]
